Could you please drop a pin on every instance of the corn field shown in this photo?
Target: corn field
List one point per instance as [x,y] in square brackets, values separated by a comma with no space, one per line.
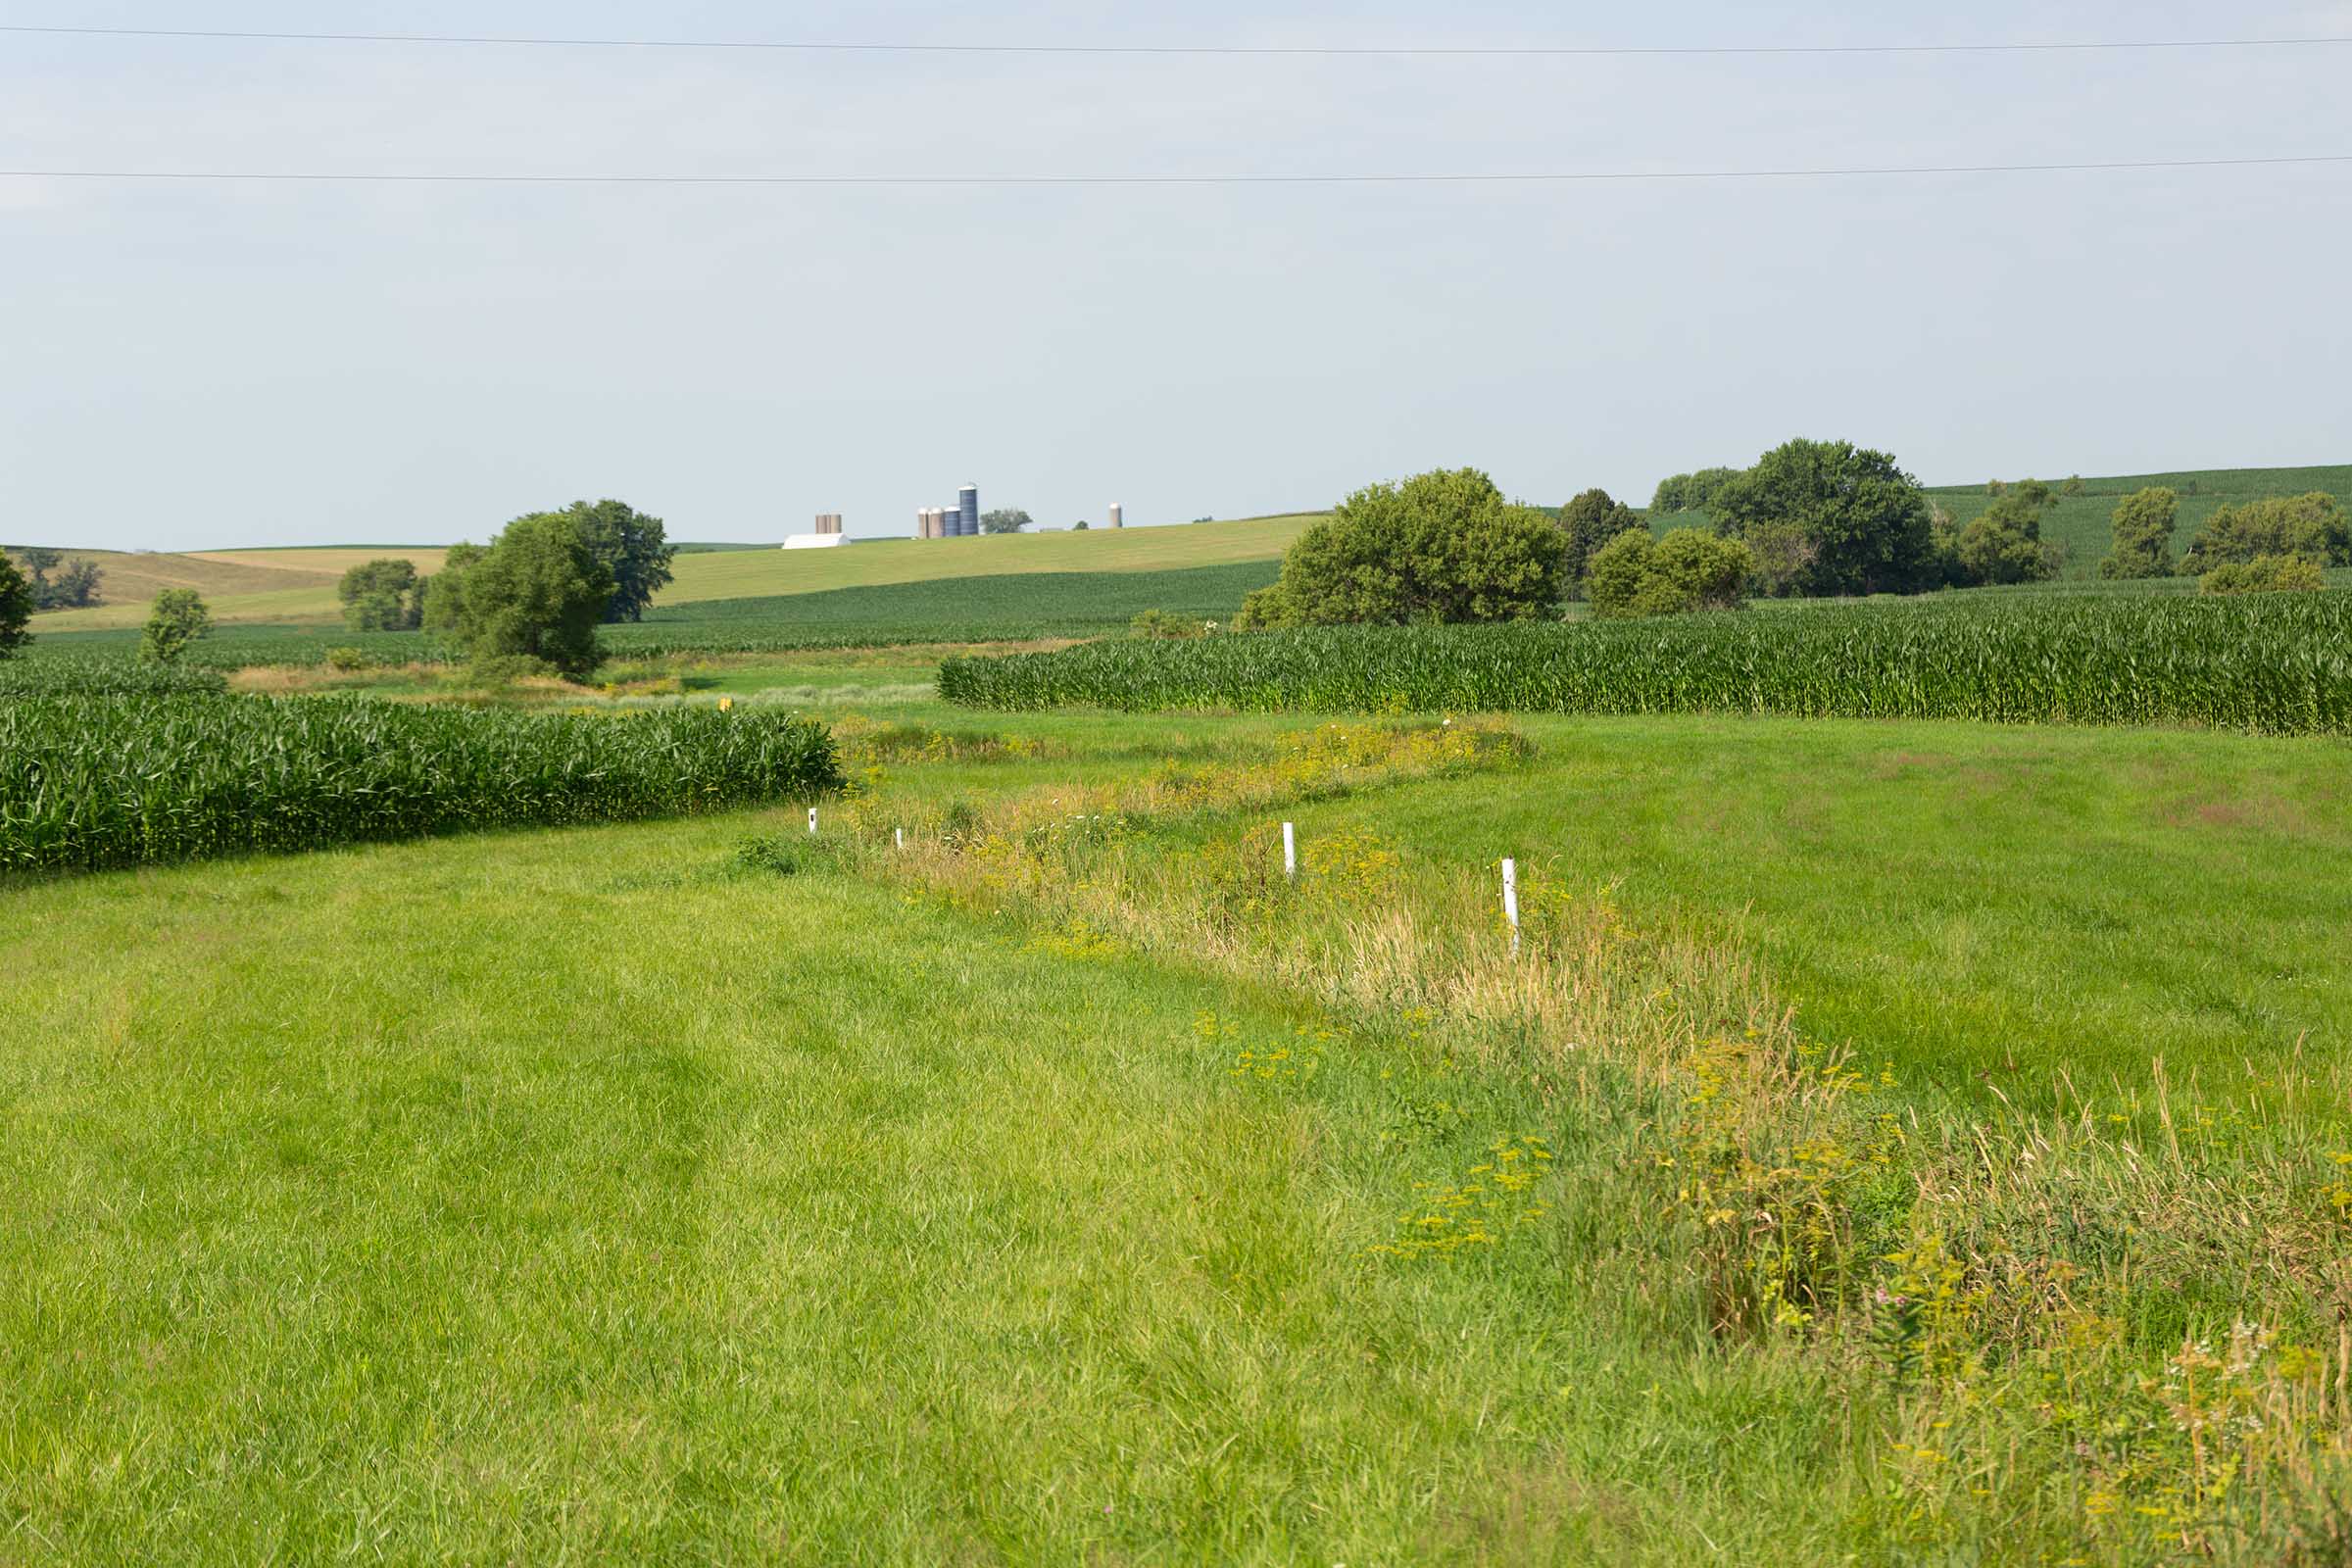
[102,677]
[2273,663]
[88,782]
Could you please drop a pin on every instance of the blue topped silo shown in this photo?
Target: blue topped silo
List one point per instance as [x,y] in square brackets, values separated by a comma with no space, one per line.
[968,502]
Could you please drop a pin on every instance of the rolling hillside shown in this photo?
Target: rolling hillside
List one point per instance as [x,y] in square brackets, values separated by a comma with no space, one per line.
[2080,522]
[297,586]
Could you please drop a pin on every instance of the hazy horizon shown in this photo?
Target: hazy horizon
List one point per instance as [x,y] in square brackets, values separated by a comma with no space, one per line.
[212,365]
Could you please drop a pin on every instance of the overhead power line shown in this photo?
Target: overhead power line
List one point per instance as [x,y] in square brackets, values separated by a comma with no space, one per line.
[1857,171]
[1523,51]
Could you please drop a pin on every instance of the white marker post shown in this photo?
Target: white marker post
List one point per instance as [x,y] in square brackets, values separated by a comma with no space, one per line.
[1289,851]
[813,820]
[1510,902]
[899,836]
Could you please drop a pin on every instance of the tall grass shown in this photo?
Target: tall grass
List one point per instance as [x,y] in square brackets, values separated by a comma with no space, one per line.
[2276,664]
[2113,1335]
[87,782]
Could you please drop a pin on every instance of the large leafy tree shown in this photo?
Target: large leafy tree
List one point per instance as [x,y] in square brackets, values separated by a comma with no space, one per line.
[16,607]
[1005,519]
[381,596]
[1587,522]
[634,549]
[2143,522]
[538,592]
[441,598]
[1864,518]
[1442,546]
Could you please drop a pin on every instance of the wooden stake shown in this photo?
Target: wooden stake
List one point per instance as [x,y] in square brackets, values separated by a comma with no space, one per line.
[1510,902]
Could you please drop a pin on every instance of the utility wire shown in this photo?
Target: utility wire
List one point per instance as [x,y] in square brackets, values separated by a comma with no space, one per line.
[1592,177]
[1400,50]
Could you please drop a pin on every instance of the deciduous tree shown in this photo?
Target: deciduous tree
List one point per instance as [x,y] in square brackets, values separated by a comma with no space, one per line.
[2143,522]
[16,607]
[634,548]
[2313,526]
[1441,547]
[1587,522]
[1865,519]
[178,618]
[381,596]
[537,593]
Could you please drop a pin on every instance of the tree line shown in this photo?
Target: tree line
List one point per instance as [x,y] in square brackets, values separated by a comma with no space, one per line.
[1808,519]
[56,583]
[529,600]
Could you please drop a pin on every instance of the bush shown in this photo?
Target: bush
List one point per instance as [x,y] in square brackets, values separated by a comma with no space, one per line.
[1161,623]
[1688,570]
[2143,523]
[1865,519]
[2313,526]
[346,660]
[1442,547]
[178,619]
[2265,575]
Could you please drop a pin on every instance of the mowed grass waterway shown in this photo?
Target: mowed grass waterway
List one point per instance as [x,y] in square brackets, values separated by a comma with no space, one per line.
[583,1194]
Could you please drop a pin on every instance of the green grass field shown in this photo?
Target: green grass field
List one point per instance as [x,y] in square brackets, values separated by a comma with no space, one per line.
[1071,1188]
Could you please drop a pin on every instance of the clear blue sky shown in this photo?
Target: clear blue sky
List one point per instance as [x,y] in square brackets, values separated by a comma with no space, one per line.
[191,367]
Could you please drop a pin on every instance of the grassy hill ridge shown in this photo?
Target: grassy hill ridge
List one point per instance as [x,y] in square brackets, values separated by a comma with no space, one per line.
[297,586]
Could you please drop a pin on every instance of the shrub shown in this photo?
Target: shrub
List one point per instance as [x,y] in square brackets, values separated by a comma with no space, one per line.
[2265,575]
[1161,623]
[178,619]
[1688,570]
[2143,522]
[346,660]
[2313,526]
[1865,519]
